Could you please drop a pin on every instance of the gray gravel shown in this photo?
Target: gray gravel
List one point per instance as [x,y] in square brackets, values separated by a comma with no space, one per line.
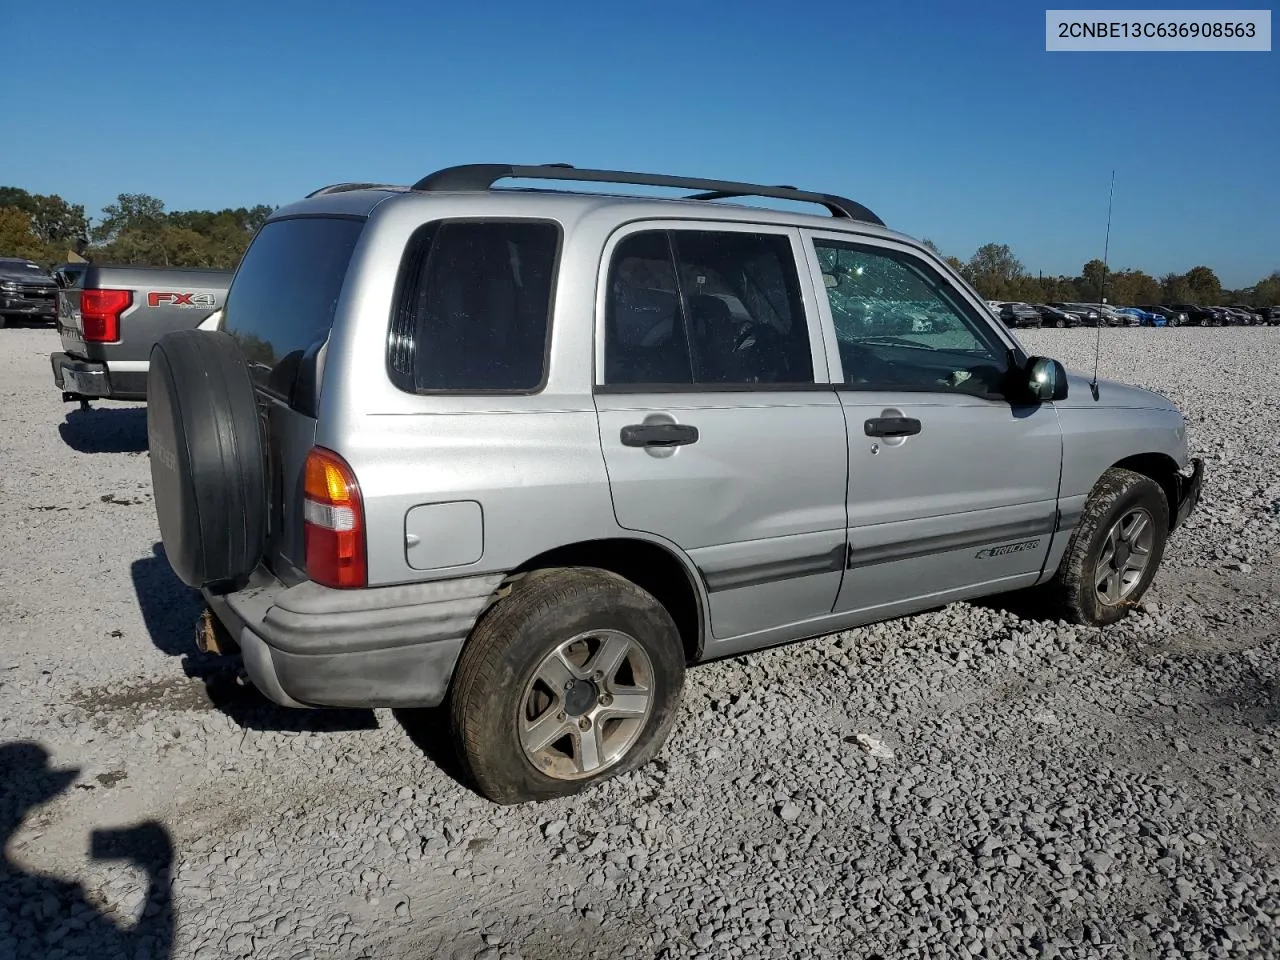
[965,783]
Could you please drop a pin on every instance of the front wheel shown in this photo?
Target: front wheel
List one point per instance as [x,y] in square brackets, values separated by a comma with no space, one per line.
[1115,549]
[573,677]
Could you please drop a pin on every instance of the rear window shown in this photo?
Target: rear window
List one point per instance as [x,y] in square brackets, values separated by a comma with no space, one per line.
[281,303]
[473,307]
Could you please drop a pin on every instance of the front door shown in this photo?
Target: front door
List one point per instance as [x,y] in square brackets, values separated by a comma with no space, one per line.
[952,489]
[721,434]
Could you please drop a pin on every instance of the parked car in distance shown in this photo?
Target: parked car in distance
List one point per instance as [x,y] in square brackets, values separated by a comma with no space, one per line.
[1145,318]
[1238,317]
[1176,318]
[113,315]
[1196,315]
[1055,317]
[1020,315]
[1221,317]
[27,291]
[1270,315]
[1251,312]
[1113,317]
[499,450]
[1087,315]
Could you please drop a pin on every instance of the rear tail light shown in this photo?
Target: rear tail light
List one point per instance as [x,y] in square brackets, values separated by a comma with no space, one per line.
[100,313]
[333,522]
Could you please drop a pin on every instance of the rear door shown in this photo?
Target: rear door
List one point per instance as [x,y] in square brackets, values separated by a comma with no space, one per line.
[720,430]
[952,489]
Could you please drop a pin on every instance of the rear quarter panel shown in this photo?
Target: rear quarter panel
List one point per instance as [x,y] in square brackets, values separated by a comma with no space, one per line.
[532,462]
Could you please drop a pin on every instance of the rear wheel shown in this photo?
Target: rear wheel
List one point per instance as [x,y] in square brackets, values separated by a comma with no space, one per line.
[572,678]
[1114,551]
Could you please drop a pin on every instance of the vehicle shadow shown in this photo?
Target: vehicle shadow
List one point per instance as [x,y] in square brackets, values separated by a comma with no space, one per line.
[428,728]
[40,914]
[172,611]
[1033,604]
[106,430]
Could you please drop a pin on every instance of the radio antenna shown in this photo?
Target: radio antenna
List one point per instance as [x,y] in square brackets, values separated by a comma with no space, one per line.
[1102,290]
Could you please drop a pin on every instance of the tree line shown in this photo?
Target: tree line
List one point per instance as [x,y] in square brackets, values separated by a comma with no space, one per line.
[138,229]
[135,229]
[998,275]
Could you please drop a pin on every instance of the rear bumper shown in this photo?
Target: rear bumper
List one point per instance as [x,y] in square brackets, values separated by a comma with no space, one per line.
[312,646]
[92,379]
[1189,491]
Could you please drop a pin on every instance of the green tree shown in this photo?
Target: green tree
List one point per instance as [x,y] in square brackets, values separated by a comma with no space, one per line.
[1090,283]
[1131,287]
[993,270]
[1204,286]
[53,220]
[17,239]
[1174,288]
[1266,293]
[135,212]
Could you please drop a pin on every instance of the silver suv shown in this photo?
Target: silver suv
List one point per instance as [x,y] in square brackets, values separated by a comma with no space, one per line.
[527,453]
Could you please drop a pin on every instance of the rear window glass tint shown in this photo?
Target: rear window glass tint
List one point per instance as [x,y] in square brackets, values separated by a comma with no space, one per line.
[281,303]
[473,307]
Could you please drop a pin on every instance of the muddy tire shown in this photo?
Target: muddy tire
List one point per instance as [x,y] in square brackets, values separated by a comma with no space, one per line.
[573,677]
[1114,551]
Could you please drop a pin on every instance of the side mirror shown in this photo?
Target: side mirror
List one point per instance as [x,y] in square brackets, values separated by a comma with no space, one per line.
[1046,379]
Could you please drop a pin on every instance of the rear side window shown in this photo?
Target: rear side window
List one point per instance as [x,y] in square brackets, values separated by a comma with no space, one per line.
[705,308]
[281,303]
[473,307]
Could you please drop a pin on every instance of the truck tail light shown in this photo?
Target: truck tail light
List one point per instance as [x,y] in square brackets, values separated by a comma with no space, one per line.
[100,313]
[333,522]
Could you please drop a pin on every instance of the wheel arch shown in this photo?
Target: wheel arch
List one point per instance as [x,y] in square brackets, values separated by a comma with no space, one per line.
[1161,468]
[652,566]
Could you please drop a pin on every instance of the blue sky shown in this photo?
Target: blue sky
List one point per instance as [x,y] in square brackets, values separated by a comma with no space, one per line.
[949,120]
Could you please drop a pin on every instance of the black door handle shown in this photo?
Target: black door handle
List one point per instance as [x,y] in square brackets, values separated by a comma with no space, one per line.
[892,427]
[658,435]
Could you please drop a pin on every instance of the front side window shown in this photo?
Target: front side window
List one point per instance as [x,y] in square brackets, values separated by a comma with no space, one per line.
[473,307]
[899,326]
[704,308]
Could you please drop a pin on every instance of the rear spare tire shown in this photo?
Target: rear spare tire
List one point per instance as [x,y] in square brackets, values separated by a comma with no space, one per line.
[207,460]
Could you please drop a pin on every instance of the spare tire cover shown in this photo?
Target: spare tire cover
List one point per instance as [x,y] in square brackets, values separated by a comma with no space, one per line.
[207,459]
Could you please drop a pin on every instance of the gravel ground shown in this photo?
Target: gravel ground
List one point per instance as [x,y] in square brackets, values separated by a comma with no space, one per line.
[963,783]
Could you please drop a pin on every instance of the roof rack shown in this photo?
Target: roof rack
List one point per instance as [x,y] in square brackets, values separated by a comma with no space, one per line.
[344,187]
[482,176]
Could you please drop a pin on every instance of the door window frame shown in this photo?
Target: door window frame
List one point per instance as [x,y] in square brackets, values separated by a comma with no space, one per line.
[966,296]
[810,305]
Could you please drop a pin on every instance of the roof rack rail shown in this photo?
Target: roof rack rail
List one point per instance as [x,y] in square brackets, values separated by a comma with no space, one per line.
[344,187]
[482,176]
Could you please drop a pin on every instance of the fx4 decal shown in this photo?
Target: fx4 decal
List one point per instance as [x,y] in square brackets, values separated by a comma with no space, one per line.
[155,298]
[1007,549]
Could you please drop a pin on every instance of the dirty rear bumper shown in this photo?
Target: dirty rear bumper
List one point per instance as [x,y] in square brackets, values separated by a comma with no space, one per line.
[1189,491]
[313,646]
